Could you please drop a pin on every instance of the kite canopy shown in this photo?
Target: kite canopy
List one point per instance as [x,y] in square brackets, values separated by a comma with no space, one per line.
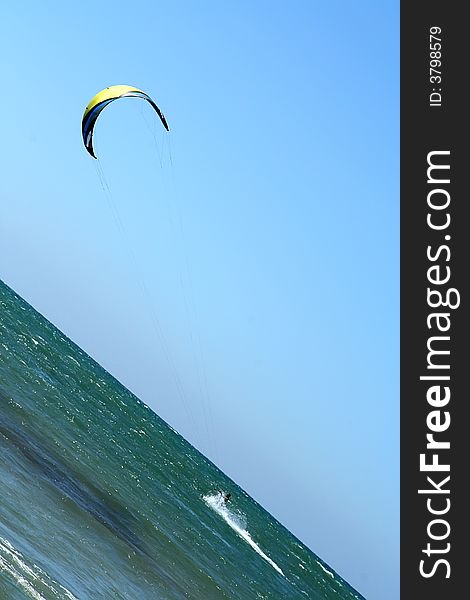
[101,100]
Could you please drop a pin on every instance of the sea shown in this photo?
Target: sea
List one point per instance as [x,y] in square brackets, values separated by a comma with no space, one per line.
[101,499]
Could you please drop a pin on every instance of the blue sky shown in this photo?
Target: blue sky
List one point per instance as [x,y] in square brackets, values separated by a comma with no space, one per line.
[251,296]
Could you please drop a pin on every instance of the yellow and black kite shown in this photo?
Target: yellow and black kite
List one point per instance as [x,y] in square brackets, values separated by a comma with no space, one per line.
[101,100]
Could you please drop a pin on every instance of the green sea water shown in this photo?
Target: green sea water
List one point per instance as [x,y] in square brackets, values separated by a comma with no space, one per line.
[101,499]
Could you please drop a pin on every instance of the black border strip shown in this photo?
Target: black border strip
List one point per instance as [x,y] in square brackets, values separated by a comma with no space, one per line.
[428,127]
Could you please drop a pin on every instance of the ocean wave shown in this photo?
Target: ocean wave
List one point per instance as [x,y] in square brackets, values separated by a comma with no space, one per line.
[29,577]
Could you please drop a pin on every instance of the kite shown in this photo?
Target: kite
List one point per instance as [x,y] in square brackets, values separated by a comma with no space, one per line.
[105,97]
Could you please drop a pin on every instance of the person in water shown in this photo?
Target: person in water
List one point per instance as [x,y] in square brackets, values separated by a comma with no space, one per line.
[226,497]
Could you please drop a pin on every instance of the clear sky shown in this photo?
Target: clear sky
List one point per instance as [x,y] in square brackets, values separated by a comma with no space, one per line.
[250,296]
